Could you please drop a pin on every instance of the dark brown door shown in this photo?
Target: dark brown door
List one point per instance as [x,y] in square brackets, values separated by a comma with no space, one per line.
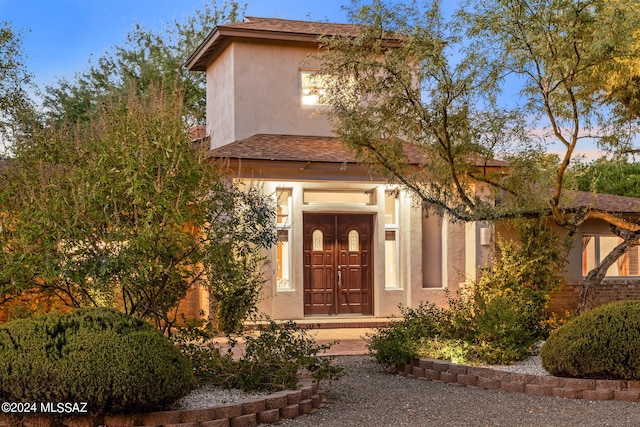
[337,264]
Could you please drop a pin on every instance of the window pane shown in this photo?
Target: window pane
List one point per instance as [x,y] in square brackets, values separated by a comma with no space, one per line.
[588,254]
[284,197]
[313,87]
[634,268]
[390,259]
[596,248]
[354,241]
[390,208]
[283,260]
[318,243]
[347,196]
[607,244]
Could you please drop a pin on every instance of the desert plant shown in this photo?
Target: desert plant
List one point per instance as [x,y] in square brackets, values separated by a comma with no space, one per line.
[110,360]
[402,340]
[273,358]
[601,343]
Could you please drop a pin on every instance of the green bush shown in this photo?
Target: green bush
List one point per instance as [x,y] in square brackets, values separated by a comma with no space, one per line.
[498,320]
[602,343]
[103,357]
[272,360]
[402,340]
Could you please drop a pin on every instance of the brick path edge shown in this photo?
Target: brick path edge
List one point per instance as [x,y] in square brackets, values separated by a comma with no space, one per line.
[539,385]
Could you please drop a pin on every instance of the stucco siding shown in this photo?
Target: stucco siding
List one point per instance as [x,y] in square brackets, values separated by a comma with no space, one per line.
[221,109]
[263,81]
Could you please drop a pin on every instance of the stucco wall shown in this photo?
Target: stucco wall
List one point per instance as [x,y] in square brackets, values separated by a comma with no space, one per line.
[220,105]
[255,88]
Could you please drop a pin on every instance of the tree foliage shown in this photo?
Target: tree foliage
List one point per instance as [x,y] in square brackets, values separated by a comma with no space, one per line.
[622,84]
[147,57]
[445,86]
[123,211]
[615,176]
[14,82]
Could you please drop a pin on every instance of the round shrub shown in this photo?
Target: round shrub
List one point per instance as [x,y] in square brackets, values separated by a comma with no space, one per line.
[112,361]
[603,343]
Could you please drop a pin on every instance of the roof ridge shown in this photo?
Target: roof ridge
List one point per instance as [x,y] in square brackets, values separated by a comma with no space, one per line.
[263,18]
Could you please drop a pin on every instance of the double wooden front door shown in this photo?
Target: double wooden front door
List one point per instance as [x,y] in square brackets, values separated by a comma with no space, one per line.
[337,264]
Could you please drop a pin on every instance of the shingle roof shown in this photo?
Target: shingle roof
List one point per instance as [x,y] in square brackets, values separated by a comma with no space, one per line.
[264,28]
[286,148]
[602,202]
[314,29]
[307,149]
[332,150]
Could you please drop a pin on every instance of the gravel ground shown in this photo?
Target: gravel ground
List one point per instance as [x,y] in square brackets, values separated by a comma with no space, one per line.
[371,397]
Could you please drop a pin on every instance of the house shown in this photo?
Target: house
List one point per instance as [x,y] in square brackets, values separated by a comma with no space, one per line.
[350,245]
[594,240]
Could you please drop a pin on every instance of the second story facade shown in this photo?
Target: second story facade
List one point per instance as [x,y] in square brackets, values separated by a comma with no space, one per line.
[260,78]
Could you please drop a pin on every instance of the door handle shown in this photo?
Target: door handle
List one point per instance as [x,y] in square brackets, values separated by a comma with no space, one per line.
[339,278]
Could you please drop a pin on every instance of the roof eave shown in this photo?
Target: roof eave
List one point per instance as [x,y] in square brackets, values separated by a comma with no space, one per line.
[201,57]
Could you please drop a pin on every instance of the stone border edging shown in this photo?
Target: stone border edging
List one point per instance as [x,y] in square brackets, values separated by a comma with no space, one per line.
[539,385]
[287,404]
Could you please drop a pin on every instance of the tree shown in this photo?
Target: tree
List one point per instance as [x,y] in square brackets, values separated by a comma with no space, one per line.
[147,57]
[616,176]
[14,82]
[412,76]
[622,84]
[123,211]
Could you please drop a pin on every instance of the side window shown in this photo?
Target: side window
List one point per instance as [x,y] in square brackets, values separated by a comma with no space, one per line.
[391,274]
[595,248]
[283,248]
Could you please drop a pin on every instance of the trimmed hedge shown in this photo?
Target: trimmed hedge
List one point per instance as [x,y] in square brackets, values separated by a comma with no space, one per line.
[603,343]
[112,361]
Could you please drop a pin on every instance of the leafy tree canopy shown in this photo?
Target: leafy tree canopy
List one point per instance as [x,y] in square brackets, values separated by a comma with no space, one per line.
[449,96]
[616,176]
[497,79]
[122,210]
[14,82]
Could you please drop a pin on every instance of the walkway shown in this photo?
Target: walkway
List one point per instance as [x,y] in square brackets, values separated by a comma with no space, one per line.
[351,341]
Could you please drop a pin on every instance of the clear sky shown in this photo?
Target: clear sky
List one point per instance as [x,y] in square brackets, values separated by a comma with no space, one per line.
[60,36]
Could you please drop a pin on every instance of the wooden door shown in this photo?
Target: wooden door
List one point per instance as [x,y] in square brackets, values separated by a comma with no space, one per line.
[337,264]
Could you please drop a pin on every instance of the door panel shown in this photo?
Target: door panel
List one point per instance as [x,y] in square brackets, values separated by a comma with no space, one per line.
[338,276]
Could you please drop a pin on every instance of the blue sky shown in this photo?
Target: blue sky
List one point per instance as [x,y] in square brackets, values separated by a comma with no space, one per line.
[60,36]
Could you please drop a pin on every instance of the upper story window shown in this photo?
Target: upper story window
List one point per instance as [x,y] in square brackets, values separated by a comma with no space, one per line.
[596,247]
[313,86]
